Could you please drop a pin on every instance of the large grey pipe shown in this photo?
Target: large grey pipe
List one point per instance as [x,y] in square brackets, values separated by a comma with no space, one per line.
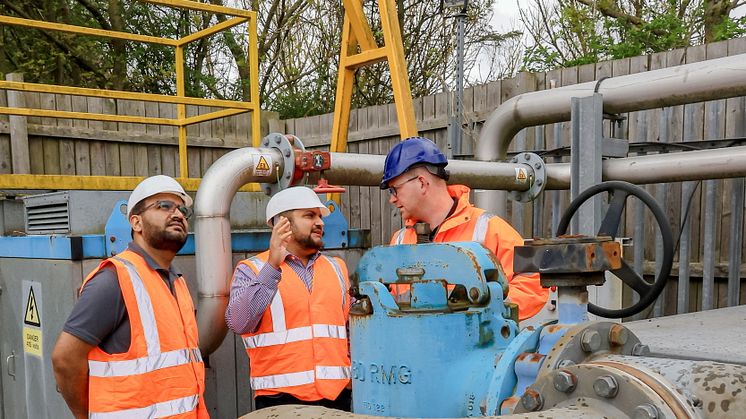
[697,82]
[213,235]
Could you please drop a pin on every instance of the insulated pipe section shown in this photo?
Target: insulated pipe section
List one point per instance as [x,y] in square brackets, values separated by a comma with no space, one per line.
[213,233]
[367,170]
[697,82]
[659,168]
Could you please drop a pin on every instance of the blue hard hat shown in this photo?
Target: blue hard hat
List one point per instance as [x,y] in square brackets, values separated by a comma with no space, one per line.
[412,151]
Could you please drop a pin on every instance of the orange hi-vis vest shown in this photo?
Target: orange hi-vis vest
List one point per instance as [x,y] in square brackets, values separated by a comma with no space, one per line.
[162,374]
[300,346]
[468,223]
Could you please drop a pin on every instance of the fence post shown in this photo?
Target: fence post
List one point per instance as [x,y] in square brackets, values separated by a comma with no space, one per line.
[21,162]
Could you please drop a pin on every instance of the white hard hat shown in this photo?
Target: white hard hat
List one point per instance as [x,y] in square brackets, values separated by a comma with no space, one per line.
[297,197]
[153,186]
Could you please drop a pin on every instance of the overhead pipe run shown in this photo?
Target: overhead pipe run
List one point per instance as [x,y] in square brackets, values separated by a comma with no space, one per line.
[697,82]
[274,167]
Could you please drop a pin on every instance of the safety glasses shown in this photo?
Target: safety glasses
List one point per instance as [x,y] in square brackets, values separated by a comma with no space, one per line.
[393,189]
[170,207]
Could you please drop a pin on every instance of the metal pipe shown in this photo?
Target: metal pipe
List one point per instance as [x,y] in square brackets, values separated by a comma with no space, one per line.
[213,235]
[720,163]
[697,82]
[367,170]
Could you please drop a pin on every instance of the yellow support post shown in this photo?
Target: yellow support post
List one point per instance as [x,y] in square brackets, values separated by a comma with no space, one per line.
[181,112]
[256,132]
[95,183]
[356,33]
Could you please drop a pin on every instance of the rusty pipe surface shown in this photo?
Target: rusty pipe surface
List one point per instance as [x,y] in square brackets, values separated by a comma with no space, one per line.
[697,82]
[367,170]
[212,236]
[714,389]
[316,412]
[681,166]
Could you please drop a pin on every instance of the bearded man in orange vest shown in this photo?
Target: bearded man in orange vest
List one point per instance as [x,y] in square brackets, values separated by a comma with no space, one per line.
[130,346]
[290,305]
[415,176]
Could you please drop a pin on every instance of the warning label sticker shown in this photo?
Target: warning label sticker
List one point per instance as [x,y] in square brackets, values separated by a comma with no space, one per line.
[263,166]
[32,341]
[32,310]
[521,174]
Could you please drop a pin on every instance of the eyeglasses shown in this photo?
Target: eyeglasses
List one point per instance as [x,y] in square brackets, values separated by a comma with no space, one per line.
[170,207]
[393,189]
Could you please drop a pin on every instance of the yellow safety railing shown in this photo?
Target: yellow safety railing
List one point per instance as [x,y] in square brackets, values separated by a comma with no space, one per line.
[229,107]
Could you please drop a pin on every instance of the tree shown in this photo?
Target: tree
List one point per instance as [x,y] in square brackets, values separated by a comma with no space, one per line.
[572,32]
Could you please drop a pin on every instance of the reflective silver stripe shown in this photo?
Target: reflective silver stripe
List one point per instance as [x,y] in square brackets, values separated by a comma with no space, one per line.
[400,236]
[143,365]
[278,313]
[278,338]
[158,410]
[257,263]
[145,307]
[340,277]
[333,373]
[329,331]
[282,380]
[480,229]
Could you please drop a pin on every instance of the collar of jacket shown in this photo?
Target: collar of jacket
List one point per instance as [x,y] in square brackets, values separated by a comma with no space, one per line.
[460,215]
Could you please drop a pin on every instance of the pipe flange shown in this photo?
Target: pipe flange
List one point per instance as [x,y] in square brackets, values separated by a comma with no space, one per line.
[615,392]
[584,342]
[536,173]
[286,144]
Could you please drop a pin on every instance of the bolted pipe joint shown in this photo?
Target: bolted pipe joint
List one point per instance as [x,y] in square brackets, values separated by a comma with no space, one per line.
[645,411]
[590,341]
[565,381]
[532,400]
[606,386]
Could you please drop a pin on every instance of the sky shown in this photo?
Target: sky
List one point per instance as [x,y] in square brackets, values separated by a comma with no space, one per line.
[505,13]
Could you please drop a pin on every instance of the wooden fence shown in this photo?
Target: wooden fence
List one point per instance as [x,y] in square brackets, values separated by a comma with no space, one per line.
[59,146]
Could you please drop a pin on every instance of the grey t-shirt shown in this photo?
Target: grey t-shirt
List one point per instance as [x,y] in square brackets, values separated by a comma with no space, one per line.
[100,317]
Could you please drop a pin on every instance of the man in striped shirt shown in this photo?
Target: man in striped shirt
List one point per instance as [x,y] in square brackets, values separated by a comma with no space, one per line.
[290,305]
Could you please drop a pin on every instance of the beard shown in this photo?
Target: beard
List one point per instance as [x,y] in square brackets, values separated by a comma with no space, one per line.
[309,241]
[163,239]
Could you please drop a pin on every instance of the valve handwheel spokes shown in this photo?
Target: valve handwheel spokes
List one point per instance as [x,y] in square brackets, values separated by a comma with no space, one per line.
[618,192]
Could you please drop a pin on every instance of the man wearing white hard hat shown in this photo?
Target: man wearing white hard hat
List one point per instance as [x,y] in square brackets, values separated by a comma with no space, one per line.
[290,305]
[130,346]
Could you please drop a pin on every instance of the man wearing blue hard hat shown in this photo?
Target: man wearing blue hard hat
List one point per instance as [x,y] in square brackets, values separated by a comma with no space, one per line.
[415,176]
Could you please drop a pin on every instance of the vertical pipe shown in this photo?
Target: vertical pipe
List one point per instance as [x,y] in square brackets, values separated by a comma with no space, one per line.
[736,242]
[556,195]
[517,207]
[710,227]
[538,204]
[181,112]
[661,194]
[638,238]
[687,196]
[682,298]
[736,220]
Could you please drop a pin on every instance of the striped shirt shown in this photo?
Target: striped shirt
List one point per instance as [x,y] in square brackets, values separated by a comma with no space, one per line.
[252,293]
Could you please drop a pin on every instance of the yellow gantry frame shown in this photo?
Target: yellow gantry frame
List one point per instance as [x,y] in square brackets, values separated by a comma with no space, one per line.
[356,33]
[25,181]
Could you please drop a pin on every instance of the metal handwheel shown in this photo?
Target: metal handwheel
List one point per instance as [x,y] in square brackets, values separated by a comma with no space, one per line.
[618,192]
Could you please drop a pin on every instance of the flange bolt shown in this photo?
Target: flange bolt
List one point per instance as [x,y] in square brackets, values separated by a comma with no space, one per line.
[565,381]
[590,341]
[606,386]
[645,411]
[532,400]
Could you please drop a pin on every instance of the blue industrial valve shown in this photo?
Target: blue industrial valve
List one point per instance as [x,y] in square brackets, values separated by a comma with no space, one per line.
[428,319]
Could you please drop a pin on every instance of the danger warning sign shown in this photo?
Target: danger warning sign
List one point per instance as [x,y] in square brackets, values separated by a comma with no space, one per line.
[32,310]
[521,174]
[263,166]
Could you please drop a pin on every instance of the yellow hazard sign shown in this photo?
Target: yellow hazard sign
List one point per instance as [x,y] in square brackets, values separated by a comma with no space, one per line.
[521,174]
[262,165]
[32,343]
[32,310]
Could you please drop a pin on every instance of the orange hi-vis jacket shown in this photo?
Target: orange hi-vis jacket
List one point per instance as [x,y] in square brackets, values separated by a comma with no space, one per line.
[468,223]
[300,346]
[162,374]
